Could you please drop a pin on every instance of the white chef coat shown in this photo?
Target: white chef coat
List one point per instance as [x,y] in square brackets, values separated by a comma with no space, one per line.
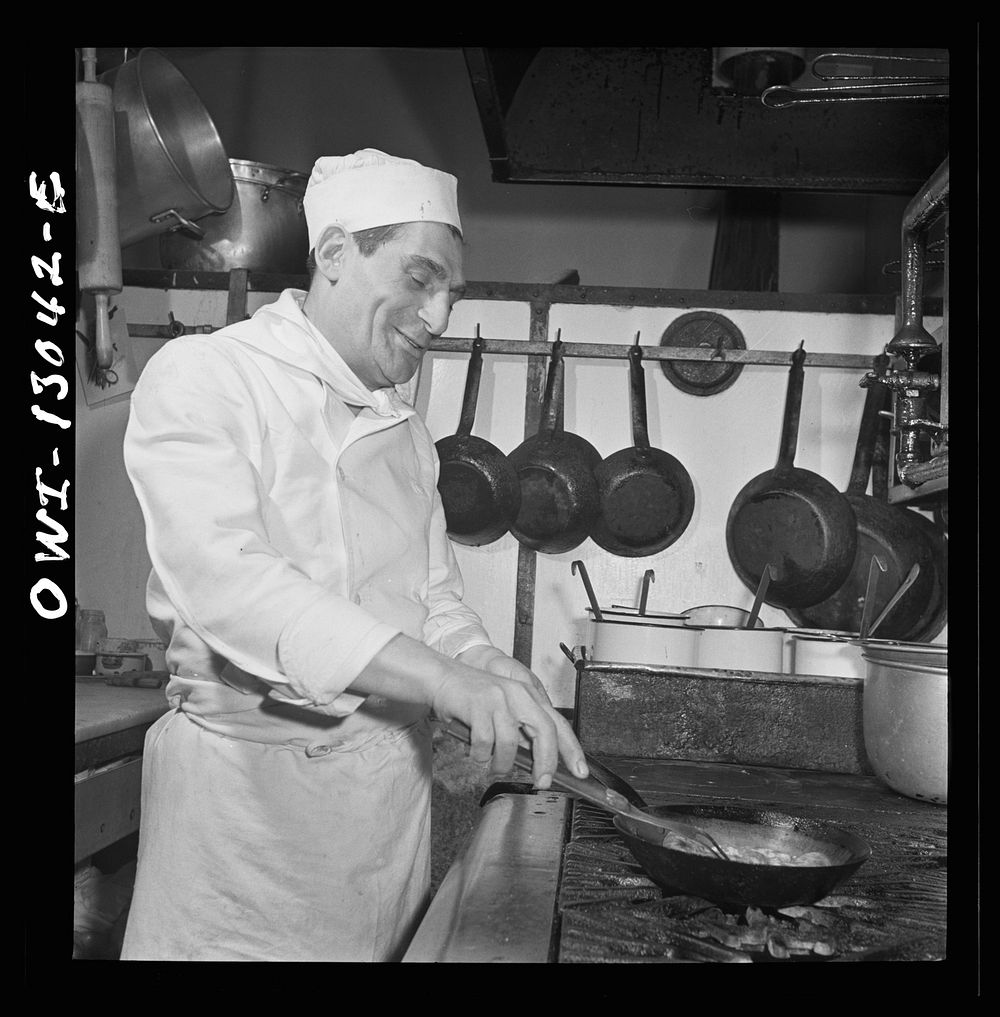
[294,527]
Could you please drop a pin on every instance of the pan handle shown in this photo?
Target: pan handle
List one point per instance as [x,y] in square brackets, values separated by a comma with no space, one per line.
[468,417]
[637,392]
[877,566]
[648,577]
[551,415]
[868,431]
[793,405]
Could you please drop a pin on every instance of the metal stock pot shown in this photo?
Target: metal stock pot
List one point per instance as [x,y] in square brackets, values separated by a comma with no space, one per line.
[264,228]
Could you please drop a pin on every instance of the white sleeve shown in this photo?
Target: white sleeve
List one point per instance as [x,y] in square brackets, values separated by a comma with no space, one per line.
[188,451]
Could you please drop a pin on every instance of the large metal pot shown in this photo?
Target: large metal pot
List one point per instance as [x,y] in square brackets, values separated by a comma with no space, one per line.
[905,712]
[264,228]
[171,166]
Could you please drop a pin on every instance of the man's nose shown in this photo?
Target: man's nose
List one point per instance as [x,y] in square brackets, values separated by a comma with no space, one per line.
[435,313]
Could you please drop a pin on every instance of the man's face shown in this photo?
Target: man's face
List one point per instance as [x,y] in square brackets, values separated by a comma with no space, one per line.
[387,306]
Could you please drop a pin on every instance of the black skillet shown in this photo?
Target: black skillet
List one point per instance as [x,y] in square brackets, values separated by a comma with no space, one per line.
[740,882]
[883,530]
[794,519]
[696,869]
[477,484]
[647,497]
[555,470]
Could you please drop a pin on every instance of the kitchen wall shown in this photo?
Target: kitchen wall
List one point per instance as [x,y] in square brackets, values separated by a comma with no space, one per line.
[285,106]
[723,441]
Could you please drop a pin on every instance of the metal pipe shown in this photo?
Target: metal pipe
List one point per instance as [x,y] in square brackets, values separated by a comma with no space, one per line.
[927,206]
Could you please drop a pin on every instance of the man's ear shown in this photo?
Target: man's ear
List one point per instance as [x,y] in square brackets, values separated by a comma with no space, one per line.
[329,251]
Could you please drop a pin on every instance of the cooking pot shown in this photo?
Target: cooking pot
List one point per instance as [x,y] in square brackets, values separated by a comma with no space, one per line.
[825,652]
[171,168]
[643,639]
[264,228]
[741,649]
[719,615]
[905,716]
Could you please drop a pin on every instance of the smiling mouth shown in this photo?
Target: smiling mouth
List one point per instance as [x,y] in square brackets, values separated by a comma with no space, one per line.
[415,345]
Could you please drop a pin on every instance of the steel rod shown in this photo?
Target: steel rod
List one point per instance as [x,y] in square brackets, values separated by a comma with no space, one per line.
[597,351]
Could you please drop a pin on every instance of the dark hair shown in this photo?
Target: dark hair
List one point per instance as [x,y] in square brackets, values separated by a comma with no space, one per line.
[370,240]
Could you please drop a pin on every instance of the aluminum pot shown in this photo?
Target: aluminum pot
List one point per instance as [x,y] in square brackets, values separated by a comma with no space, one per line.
[171,167]
[264,229]
[905,715]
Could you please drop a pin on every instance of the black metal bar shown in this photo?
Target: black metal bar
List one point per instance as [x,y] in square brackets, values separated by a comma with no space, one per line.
[597,351]
[615,296]
[524,605]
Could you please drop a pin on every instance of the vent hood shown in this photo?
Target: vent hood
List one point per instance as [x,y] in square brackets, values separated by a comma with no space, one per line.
[667,117]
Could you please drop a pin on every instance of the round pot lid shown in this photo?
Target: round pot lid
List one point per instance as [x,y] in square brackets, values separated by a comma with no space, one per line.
[702,329]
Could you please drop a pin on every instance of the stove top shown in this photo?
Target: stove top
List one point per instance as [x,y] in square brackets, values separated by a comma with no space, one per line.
[610,911]
[545,878]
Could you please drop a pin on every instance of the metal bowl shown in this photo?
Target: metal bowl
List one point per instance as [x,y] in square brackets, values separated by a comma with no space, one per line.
[746,883]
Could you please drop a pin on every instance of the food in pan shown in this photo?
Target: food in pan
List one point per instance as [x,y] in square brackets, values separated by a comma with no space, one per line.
[751,856]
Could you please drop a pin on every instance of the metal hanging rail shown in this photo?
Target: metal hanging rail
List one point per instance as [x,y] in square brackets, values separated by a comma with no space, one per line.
[596,351]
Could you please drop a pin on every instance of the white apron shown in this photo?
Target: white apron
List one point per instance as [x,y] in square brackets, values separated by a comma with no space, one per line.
[271,831]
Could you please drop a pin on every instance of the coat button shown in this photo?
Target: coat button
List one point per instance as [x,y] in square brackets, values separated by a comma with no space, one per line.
[318,750]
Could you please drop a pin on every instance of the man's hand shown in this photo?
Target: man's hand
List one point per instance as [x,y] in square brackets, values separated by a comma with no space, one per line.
[501,702]
[494,661]
[540,724]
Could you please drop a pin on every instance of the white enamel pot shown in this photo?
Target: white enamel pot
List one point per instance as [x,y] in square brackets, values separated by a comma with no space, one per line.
[825,652]
[739,649]
[719,615]
[642,639]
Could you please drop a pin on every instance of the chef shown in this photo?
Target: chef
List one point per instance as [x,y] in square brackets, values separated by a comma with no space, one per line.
[310,600]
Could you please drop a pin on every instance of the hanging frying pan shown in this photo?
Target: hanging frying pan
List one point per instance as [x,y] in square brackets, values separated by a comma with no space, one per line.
[935,615]
[647,497]
[555,470]
[794,519]
[883,531]
[477,484]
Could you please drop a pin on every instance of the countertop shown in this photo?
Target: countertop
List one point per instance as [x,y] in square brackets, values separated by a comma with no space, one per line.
[103,709]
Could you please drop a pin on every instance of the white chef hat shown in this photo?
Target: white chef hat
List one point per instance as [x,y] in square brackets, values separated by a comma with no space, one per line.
[369,188]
